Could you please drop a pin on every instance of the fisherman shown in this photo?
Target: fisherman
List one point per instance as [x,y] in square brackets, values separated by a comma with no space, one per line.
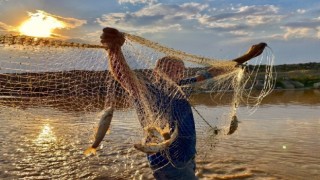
[160,97]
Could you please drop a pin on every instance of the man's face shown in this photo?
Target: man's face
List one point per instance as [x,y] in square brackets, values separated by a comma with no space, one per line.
[174,70]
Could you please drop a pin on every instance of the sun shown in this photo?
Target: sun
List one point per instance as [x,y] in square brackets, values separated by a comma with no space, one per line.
[40,24]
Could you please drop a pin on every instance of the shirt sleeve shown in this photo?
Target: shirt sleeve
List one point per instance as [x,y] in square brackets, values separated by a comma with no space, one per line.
[187,90]
[187,81]
[205,74]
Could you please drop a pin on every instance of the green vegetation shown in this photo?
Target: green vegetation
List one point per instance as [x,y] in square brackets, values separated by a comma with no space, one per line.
[298,75]
[291,67]
[293,76]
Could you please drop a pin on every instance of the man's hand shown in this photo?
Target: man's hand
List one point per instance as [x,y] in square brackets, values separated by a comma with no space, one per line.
[112,38]
[253,52]
[256,49]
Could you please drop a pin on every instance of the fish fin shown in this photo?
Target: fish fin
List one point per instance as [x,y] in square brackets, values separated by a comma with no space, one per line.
[166,129]
[90,151]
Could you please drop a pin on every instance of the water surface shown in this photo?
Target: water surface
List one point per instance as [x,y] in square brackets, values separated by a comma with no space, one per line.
[280,140]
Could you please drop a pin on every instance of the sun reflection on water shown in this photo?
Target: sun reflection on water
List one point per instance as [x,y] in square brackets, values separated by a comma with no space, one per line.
[46,136]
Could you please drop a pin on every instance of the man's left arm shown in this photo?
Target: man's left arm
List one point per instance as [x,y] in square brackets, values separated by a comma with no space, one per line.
[206,74]
[253,52]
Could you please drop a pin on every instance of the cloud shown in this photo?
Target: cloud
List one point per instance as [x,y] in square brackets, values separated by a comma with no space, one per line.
[234,21]
[301,11]
[237,21]
[154,18]
[69,23]
[226,26]
[247,11]
[247,15]
[240,33]
[134,2]
[241,21]
[307,23]
[7,28]
[3,1]
[308,28]
[296,32]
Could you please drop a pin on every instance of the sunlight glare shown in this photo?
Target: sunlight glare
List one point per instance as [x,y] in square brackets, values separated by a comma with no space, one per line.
[40,25]
[46,136]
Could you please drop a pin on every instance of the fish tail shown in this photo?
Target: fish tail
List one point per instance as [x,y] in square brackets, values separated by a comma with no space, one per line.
[90,151]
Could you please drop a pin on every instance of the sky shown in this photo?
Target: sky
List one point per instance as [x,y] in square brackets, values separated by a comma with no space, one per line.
[222,29]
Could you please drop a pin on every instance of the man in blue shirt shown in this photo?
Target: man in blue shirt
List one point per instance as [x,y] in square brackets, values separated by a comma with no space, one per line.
[160,99]
[177,162]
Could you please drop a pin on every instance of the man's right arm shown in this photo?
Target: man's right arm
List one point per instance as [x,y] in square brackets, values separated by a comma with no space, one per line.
[112,39]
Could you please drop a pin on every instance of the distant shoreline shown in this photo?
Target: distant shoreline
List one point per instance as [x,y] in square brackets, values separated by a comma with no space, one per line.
[293,76]
[298,76]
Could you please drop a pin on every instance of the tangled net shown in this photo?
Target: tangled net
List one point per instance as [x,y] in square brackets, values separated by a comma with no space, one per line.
[74,77]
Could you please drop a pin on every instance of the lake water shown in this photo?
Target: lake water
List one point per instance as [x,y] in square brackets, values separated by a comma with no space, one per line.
[280,140]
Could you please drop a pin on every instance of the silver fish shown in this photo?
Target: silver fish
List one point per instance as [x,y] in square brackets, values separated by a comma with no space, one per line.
[233,125]
[104,125]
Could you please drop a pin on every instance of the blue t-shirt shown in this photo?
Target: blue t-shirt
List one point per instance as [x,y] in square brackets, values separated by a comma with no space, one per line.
[173,104]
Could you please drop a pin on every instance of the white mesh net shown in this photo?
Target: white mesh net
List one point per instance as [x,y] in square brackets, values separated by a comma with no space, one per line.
[75,80]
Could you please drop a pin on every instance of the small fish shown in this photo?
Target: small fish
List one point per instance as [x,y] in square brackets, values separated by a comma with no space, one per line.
[152,148]
[154,132]
[104,125]
[233,125]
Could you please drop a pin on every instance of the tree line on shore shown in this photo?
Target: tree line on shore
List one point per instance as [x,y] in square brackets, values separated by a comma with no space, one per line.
[81,82]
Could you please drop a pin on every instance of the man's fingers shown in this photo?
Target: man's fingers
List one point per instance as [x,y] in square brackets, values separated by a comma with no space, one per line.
[253,52]
[111,37]
[257,49]
[110,30]
[109,33]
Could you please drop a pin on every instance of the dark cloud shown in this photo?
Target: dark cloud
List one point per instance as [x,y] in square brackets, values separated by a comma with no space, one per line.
[245,11]
[159,17]
[307,23]
[242,20]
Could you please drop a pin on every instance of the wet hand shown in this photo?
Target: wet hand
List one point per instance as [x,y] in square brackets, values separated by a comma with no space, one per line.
[112,38]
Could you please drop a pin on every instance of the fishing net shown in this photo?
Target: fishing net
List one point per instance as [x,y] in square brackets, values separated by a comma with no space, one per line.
[57,79]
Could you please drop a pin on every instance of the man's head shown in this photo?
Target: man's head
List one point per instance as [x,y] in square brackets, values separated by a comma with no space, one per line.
[173,67]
